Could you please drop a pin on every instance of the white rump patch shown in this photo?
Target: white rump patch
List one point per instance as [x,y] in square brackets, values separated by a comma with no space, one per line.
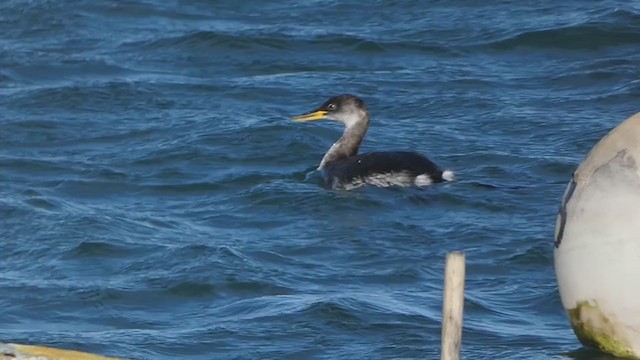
[448,175]
[423,180]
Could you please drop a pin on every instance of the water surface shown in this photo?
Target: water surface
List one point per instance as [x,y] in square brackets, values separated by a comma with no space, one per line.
[156,202]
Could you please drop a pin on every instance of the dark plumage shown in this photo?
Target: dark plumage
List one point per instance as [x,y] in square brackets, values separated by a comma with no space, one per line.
[397,166]
[342,167]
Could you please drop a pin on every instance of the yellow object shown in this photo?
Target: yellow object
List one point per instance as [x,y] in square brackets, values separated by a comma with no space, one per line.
[314,115]
[32,352]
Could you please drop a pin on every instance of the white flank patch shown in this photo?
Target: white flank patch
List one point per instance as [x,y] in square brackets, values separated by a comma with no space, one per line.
[423,180]
[448,175]
[390,179]
[402,178]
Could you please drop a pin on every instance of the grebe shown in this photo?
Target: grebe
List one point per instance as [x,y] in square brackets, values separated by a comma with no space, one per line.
[343,168]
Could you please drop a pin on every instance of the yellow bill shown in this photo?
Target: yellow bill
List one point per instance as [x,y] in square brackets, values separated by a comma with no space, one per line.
[314,115]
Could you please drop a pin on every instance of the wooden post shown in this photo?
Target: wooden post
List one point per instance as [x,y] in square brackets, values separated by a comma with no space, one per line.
[452,306]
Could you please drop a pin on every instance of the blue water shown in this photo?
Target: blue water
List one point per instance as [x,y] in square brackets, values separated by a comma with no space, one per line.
[156,201]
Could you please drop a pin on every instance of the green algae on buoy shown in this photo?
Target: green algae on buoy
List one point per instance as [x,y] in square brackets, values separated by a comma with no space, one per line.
[597,244]
[32,352]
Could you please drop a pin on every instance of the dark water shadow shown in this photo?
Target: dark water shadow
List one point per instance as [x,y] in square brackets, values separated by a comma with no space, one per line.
[588,354]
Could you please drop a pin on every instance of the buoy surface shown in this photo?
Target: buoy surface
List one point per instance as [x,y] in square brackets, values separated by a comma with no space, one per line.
[597,244]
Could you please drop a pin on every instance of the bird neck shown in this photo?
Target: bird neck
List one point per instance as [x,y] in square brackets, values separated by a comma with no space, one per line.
[347,145]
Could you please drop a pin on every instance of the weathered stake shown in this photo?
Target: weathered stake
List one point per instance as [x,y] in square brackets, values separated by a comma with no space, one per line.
[452,306]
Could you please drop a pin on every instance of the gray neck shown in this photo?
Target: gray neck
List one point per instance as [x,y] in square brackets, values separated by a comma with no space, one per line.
[347,145]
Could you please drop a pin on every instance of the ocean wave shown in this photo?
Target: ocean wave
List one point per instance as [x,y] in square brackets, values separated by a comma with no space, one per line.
[279,41]
[588,36]
[90,249]
[5,78]
[342,308]
[86,96]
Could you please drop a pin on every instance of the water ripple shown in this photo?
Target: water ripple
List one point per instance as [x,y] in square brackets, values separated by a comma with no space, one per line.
[158,203]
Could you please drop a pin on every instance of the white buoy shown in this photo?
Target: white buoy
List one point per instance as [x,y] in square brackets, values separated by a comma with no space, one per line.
[452,306]
[597,244]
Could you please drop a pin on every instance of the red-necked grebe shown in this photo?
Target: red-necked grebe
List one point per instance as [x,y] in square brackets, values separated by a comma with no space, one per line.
[342,166]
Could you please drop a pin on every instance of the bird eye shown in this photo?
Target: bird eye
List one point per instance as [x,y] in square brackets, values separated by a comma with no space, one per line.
[331,107]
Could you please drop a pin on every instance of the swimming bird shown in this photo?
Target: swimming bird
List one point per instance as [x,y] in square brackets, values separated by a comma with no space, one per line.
[343,168]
